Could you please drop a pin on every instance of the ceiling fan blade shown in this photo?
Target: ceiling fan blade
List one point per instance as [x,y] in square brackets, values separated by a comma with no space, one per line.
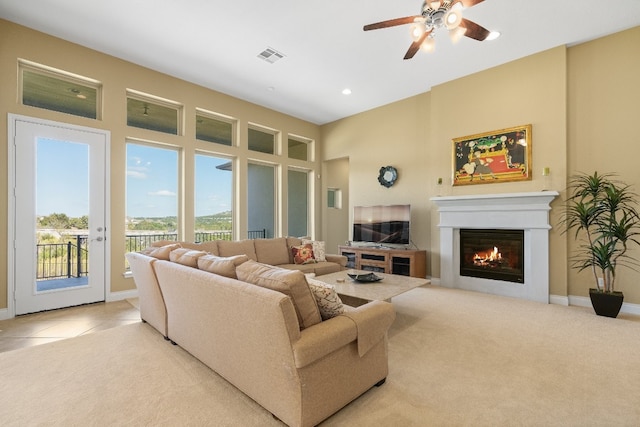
[474,30]
[415,46]
[469,3]
[391,23]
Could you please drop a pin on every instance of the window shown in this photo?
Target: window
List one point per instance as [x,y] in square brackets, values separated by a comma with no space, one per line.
[261,140]
[299,148]
[152,195]
[298,206]
[261,198]
[213,128]
[57,90]
[153,113]
[213,198]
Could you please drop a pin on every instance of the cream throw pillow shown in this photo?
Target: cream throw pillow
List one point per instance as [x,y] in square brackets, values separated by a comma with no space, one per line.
[221,265]
[290,282]
[328,300]
[161,252]
[186,256]
[318,249]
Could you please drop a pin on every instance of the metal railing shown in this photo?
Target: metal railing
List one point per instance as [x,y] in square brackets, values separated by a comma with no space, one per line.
[66,260]
[62,260]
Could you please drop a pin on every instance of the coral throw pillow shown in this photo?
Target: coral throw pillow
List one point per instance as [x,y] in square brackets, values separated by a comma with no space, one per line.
[303,254]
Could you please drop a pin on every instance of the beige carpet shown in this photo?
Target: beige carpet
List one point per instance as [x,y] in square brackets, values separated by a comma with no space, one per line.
[456,359]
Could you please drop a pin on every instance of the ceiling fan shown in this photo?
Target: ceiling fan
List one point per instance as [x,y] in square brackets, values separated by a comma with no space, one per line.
[437,14]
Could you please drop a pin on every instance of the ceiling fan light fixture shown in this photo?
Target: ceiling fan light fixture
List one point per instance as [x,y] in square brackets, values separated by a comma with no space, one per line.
[452,19]
[428,45]
[493,35]
[434,4]
[417,30]
[456,34]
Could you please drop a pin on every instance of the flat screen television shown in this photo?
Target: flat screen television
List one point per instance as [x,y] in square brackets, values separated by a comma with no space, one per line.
[382,224]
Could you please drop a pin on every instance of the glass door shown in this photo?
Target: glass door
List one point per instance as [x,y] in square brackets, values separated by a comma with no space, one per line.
[59,215]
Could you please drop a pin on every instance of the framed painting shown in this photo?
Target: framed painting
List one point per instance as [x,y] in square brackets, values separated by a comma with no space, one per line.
[497,156]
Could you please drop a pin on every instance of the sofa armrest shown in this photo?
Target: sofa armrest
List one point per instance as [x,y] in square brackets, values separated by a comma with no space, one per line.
[338,259]
[367,324]
[323,338]
[372,320]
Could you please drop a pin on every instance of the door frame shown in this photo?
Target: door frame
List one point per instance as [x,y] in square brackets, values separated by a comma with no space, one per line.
[11,217]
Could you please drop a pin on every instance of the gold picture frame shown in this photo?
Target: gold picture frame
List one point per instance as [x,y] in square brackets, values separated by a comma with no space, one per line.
[499,156]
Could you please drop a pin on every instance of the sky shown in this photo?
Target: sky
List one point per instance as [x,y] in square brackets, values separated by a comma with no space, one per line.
[151,182]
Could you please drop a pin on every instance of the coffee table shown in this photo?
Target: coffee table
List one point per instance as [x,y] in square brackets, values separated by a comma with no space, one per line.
[357,293]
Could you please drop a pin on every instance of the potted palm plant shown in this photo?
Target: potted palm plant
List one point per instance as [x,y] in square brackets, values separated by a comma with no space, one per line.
[602,212]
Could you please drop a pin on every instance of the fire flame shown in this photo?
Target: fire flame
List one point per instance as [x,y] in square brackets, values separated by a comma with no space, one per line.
[487,257]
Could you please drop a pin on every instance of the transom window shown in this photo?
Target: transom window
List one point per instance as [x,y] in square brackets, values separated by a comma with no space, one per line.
[214,128]
[262,140]
[57,90]
[153,113]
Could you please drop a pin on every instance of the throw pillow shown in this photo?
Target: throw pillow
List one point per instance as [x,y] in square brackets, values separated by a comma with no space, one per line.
[290,282]
[161,252]
[186,256]
[221,265]
[318,249]
[303,254]
[328,300]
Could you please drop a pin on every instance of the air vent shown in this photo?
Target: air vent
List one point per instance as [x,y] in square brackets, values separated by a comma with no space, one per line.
[270,55]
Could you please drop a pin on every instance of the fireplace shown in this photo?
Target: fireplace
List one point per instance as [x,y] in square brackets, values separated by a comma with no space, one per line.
[528,212]
[492,254]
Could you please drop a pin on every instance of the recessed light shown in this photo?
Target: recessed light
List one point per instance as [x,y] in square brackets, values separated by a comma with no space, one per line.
[271,88]
[346,91]
[493,35]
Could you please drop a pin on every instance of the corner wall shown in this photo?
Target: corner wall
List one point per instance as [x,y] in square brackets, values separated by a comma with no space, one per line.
[117,76]
[582,102]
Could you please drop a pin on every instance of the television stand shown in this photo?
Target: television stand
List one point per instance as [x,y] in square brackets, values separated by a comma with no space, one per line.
[406,262]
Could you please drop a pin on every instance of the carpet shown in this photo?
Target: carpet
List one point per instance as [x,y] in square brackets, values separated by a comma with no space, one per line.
[456,358]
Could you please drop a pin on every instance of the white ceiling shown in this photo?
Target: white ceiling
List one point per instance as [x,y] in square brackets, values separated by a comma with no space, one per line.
[215,43]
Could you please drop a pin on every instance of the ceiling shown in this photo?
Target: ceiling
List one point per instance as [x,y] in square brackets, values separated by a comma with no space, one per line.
[216,43]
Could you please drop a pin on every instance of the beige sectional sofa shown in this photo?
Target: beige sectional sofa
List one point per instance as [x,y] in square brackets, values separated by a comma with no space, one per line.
[262,334]
[267,251]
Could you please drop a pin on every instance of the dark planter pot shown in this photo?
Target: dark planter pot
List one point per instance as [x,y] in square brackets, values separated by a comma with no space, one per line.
[606,303]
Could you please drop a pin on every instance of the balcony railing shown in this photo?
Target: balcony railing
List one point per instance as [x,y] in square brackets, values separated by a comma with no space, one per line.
[66,260]
[62,260]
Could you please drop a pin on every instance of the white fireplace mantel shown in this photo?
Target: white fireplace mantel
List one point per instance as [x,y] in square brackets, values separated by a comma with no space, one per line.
[514,211]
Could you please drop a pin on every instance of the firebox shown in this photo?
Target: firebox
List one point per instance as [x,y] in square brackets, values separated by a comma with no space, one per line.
[492,254]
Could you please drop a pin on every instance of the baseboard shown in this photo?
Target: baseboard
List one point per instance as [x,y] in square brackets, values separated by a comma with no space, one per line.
[4,314]
[627,308]
[559,300]
[434,280]
[122,295]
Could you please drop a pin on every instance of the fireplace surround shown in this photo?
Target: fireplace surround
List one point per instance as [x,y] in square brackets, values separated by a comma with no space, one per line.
[528,212]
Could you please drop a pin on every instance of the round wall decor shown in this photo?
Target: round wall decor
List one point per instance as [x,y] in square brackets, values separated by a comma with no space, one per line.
[387,176]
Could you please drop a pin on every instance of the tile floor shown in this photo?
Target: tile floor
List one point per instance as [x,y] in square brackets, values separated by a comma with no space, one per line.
[40,328]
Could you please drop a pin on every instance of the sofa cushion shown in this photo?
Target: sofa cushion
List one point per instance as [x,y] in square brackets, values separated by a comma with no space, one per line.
[318,249]
[318,268]
[303,254]
[224,266]
[186,256]
[228,248]
[289,282]
[329,303]
[161,252]
[209,247]
[272,251]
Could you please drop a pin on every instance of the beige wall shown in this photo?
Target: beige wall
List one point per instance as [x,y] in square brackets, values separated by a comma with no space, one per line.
[117,76]
[577,97]
[580,102]
[604,104]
